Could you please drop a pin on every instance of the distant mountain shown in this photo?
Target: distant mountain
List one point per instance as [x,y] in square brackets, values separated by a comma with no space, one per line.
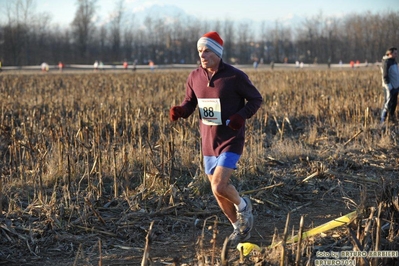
[164,12]
[169,13]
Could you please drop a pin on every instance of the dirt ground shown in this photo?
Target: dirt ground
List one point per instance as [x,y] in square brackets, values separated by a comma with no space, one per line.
[178,235]
[336,181]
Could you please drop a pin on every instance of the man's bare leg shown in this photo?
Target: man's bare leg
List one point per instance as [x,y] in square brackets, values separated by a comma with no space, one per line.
[229,201]
[224,192]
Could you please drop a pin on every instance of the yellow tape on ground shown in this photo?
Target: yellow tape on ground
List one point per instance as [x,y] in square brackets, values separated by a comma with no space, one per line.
[247,247]
[343,220]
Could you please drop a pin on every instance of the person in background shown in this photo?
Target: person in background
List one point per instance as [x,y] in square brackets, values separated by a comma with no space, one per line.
[60,66]
[45,67]
[151,64]
[390,83]
[256,63]
[134,65]
[226,98]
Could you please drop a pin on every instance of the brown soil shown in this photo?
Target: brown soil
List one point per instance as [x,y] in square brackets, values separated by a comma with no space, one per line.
[178,234]
[337,180]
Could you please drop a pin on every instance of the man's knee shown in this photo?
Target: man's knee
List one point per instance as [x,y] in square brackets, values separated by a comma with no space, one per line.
[219,189]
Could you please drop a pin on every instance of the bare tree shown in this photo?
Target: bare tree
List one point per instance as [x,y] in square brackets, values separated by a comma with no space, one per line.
[245,39]
[277,54]
[331,32]
[177,37]
[16,33]
[228,38]
[116,24]
[128,44]
[83,27]
[29,38]
[59,48]
[103,42]
[193,31]
[263,42]
[147,48]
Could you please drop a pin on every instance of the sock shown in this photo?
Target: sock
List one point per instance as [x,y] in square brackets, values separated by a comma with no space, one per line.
[236,225]
[241,206]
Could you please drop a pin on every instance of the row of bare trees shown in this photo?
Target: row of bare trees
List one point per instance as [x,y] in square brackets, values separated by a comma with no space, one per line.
[29,38]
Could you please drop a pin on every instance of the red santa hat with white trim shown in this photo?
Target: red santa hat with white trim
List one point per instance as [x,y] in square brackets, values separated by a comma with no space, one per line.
[212,41]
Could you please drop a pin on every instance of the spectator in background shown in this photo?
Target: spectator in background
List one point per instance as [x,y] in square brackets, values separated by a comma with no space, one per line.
[125,65]
[60,66]
[390,83]
[44,66]
[256,63]
[95,65]
[151,64]
[134,64]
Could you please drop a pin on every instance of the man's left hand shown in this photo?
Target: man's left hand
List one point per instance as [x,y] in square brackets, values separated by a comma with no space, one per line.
[236,122]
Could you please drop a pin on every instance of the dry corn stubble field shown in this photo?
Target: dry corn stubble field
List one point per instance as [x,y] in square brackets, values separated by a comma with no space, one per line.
[90,163]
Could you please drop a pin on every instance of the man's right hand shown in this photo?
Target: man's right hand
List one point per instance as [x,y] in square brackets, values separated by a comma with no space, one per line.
[175,113]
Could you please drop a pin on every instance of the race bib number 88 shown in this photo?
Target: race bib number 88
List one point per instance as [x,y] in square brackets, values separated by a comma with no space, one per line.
[210,111]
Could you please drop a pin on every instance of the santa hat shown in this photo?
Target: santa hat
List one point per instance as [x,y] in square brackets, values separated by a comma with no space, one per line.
[213,42]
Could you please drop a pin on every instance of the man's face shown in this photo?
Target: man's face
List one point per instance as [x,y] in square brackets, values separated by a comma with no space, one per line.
[208,58]
[394,54]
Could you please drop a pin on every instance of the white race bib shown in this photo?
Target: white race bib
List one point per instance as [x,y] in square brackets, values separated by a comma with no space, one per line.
[210,110]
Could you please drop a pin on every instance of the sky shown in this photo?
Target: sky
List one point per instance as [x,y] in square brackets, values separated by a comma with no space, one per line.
[63,11]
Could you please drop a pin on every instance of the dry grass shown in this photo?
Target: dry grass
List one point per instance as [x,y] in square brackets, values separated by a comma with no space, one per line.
[93,155]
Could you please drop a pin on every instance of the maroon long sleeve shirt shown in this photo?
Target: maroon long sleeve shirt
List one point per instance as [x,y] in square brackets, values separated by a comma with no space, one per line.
[228,92]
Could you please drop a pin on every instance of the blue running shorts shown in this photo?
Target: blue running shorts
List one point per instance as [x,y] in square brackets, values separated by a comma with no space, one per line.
[226,159]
